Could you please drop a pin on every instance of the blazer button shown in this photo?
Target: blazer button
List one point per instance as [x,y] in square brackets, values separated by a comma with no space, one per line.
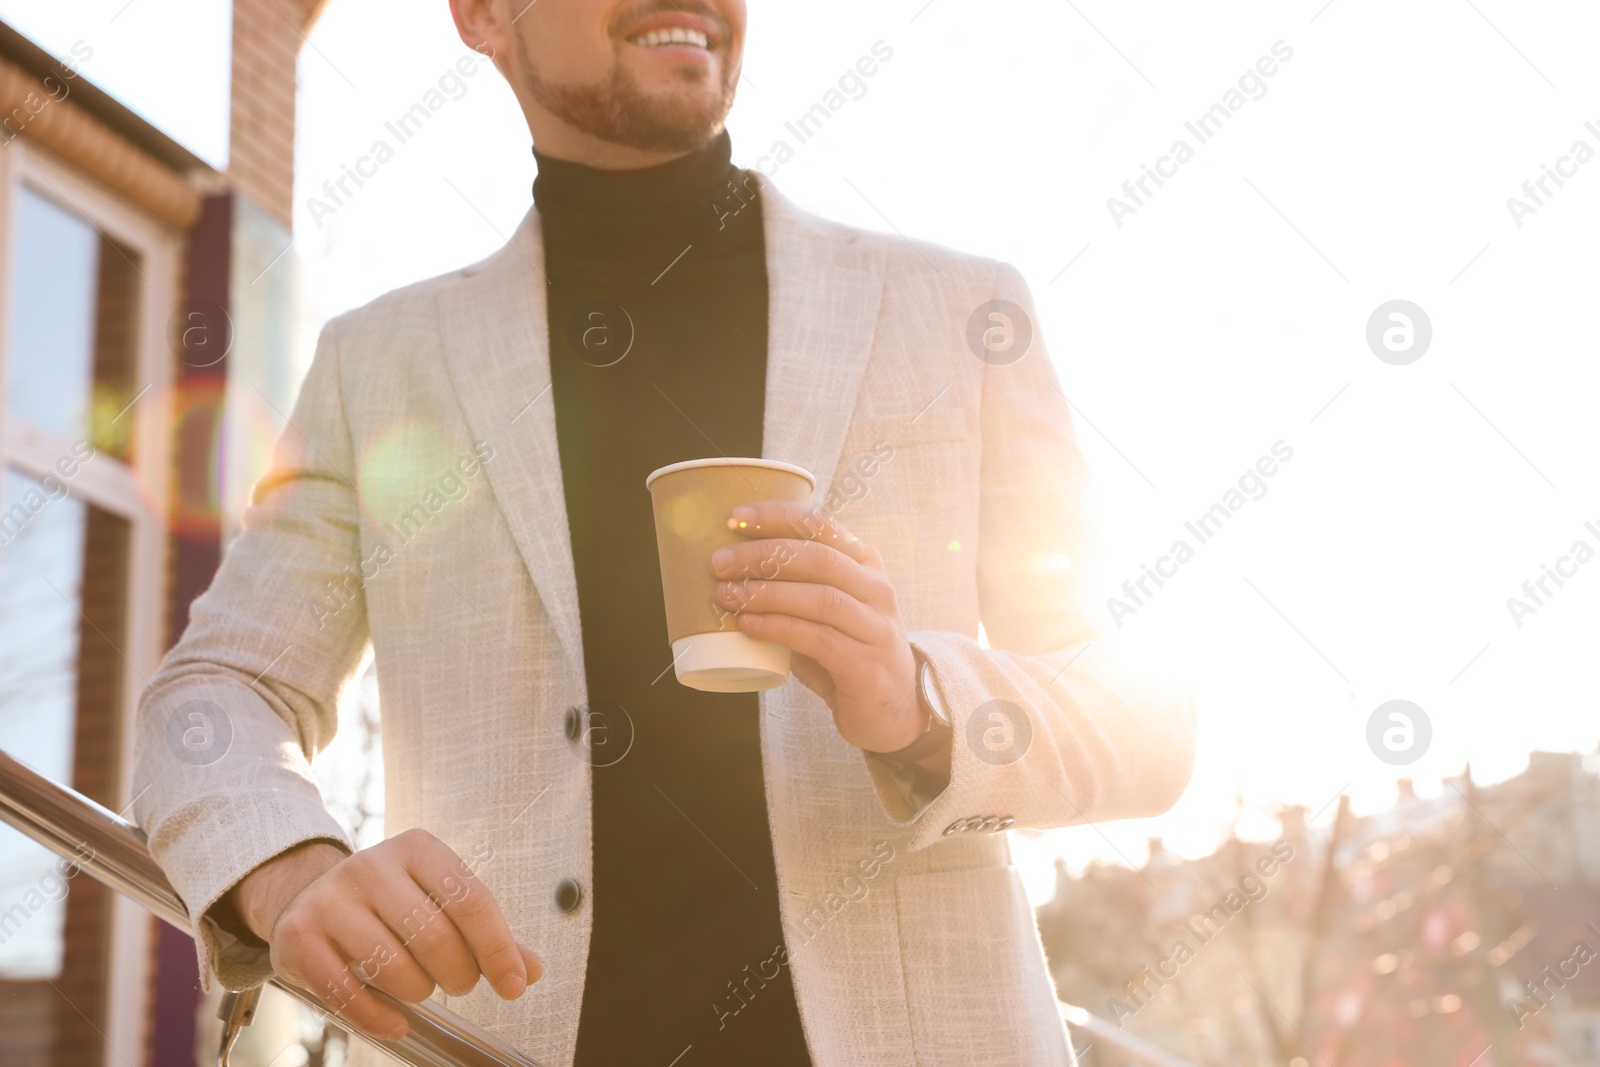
[568,894]
[574,723]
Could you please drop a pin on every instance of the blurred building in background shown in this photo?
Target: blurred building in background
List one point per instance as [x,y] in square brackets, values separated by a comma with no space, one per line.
[1461,930]
[149,344]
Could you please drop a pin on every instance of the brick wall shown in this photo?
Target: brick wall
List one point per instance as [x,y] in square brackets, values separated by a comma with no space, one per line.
[266,39]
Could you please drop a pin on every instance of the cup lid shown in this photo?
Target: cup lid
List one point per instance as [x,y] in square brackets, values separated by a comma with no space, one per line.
[734,461]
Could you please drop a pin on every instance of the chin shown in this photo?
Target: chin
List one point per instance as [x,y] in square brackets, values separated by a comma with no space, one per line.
[680,136]
[677,118]
[673,108]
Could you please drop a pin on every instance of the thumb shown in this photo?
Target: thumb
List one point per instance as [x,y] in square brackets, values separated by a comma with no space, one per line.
[531,960]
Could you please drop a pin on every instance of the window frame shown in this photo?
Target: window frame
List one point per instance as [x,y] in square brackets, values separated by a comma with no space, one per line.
[136,492]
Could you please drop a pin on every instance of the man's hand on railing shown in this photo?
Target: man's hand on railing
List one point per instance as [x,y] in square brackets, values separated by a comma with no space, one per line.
[405,915]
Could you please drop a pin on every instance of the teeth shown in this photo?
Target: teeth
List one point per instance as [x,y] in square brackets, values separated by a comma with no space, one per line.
[675,35]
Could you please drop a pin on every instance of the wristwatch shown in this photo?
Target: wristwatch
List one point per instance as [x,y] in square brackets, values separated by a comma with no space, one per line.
[936,735]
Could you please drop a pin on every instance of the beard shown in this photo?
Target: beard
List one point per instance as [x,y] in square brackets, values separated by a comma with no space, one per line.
[620,111]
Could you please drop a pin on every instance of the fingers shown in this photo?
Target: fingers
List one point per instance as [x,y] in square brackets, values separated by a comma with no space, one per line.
[825,605]
[474,913]
[418,922]
[374,958]
[532,962]
[866,608]
[772,573]
[401,918]
[320,969]
[797,521]
[786,559]
[822,643]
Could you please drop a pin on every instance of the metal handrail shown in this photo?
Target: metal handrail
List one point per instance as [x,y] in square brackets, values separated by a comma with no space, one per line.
[112,850]
[1104,1033]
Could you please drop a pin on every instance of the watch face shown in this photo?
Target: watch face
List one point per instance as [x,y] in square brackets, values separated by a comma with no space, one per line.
[930,693]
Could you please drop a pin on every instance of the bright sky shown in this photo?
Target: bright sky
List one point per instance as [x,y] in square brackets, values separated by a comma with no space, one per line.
[112,42]
[1225,315]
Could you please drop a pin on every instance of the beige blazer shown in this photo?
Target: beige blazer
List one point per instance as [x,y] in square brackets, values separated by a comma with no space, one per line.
[415,506]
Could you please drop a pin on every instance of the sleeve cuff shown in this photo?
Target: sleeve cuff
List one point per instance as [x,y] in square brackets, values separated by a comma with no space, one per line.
[984,790]
[907,793]
[249,834]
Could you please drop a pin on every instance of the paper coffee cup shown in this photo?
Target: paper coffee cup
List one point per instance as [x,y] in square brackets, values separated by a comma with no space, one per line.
[692,502]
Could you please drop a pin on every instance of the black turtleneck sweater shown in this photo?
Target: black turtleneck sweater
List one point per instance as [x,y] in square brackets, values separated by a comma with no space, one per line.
[658,353]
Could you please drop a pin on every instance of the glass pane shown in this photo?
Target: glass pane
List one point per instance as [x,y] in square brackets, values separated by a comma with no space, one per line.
[74,303]
[63,580]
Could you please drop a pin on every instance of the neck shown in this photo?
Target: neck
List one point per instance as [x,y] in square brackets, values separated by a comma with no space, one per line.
[692,182]
[592,152]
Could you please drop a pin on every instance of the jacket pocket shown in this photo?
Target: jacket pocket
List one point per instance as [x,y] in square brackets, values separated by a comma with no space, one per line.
[977,987]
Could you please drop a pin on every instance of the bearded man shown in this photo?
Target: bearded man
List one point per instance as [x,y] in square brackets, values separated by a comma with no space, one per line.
[645,873]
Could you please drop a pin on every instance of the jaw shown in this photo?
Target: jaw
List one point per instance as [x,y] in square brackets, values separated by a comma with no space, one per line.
[675,69]
[651,89]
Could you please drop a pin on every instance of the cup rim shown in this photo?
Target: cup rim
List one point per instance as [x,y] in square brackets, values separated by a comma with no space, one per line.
[732,461]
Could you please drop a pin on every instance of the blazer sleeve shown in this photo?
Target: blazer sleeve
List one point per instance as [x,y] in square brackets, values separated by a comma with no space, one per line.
[226,728]
[1054,723]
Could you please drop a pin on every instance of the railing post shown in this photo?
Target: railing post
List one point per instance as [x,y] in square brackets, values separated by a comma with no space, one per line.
[238,1011]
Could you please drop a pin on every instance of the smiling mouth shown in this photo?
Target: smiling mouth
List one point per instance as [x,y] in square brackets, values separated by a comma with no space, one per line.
[676,35]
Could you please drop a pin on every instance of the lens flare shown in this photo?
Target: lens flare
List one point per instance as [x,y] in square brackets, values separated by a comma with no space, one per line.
[408,466]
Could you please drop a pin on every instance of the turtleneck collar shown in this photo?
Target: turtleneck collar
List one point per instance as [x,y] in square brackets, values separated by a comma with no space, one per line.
[605,224]
[695,179]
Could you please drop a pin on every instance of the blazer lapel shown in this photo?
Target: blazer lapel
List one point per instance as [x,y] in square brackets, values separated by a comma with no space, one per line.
[824,291]
[497,349]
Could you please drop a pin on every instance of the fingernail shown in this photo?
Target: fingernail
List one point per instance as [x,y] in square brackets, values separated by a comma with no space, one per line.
[744,513]
[722,557]
[398,1032]
[511,988]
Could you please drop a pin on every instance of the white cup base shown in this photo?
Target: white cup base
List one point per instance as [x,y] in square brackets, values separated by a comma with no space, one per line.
[729,662]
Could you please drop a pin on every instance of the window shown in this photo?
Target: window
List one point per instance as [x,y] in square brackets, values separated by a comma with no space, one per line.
[73,323]
[86,289]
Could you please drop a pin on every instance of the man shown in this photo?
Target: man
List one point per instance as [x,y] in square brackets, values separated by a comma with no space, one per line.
[642,872]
